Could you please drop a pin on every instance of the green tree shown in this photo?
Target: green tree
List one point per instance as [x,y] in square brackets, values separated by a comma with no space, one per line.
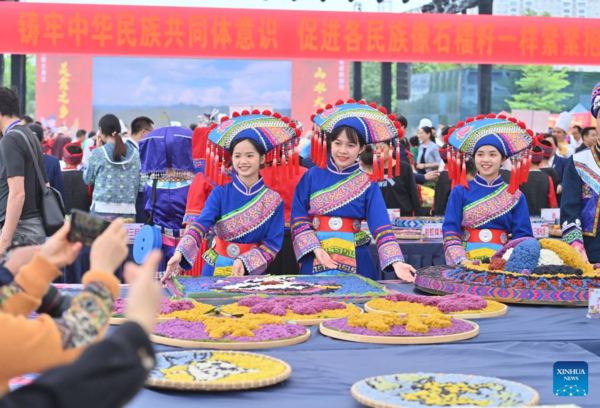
[30,74]
[539,89]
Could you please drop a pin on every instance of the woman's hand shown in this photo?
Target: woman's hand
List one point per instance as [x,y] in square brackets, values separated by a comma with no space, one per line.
[238,268]
[172,266]
[324,259]
[559,189]
[581,251]
[58,250]
[404,271]
[420,166]
[110,249]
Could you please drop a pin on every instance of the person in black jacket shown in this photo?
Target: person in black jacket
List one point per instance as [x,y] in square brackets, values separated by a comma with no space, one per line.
[545,166]
[443,186]
[110,373]
[76,190]
[399,191]
[539,188]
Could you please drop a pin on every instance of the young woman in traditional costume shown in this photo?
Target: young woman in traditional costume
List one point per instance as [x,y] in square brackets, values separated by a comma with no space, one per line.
[482,213]
[580,203]
[246,216]
[332,199]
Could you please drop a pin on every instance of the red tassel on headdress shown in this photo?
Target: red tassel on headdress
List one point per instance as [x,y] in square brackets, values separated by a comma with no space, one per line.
[290,163]
[398,160]
[275,173]
[390,161]
[463,176]
[381,165]
[324,153]
[209,165]
[215,170]
[296,159]
[317,159]
[284,167]
[313,143]
[513,178]
[222,173]
[375,175]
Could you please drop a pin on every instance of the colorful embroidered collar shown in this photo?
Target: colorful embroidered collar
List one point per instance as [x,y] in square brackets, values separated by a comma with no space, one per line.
[483,182]
[241,187]
[348,170]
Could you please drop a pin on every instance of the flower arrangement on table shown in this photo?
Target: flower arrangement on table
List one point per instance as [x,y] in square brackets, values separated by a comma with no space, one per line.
[387,324]
[248,328]
[341,286]
[525,270]
[428,305]
[205,370]
[417,390]
[297,309]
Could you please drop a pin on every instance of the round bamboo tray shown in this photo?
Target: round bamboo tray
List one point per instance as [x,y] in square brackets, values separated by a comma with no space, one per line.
[406,340]
[369,402]
[497,313]
[221,386]
[222,345]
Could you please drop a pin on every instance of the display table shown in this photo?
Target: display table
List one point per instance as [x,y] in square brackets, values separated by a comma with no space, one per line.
[521,346]
[323,370]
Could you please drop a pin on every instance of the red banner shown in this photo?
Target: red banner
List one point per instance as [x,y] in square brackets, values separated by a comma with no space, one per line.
[315,84]
[29,28]
[64,92]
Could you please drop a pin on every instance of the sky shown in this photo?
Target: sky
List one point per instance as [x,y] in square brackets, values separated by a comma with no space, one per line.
[396,6]
[191,82]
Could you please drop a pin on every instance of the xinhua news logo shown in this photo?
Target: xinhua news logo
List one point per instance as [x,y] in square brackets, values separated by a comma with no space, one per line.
[570,379]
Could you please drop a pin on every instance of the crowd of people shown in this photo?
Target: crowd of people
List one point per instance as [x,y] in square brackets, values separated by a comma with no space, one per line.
[236,197]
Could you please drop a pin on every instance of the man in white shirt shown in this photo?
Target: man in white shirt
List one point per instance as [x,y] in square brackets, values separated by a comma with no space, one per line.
[140,127]
[576,137]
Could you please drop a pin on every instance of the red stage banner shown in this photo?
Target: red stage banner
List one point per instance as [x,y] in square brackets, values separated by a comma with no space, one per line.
[314,85]
[29,28]
[64,92]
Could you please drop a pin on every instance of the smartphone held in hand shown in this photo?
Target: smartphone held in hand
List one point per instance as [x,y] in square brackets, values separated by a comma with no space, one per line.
[85,227]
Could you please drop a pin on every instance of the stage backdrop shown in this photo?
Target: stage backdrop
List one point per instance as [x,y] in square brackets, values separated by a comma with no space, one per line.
[29,28]
[74,91]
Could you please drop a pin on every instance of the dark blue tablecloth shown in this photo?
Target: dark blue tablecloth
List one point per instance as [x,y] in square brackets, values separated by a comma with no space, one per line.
[322,377]
[521,346]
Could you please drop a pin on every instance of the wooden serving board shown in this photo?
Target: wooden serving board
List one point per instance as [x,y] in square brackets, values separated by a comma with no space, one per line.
[222,345]
[497,313]
[360,338]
